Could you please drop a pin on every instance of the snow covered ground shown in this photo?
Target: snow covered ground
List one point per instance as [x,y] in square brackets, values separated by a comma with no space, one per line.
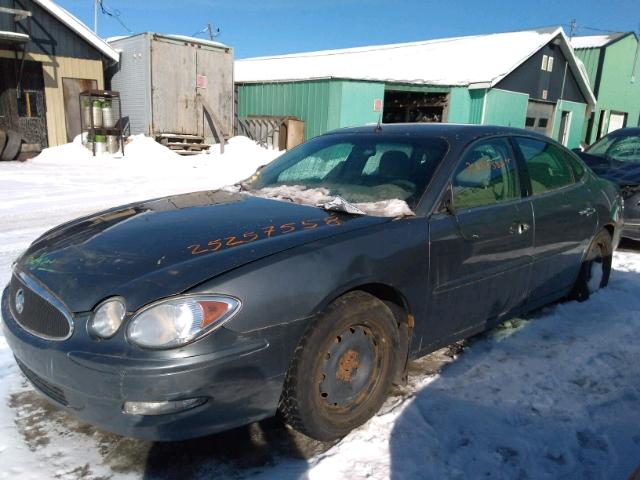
[554,396]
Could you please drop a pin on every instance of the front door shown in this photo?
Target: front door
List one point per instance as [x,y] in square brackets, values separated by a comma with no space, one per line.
[480,256]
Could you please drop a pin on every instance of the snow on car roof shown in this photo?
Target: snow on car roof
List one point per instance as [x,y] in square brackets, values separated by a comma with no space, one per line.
[480,60]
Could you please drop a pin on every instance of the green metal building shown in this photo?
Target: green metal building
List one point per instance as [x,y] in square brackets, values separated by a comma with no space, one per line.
[612,63]
[528,79]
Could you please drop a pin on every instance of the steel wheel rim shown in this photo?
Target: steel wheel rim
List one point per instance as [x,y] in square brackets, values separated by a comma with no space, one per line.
[351,368]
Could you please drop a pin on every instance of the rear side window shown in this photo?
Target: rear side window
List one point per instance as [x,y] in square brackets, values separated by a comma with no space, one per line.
[487,175]
[576,164]
[547,165]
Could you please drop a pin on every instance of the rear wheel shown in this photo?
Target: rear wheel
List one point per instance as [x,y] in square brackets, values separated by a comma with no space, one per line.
[596,267]
[342,369]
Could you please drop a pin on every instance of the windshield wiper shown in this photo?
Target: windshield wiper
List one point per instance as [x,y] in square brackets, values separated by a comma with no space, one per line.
[339,204]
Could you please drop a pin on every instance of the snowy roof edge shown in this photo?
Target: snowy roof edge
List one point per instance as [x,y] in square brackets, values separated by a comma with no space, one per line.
[584,42]
[80,28]
[171,36]
[550,33]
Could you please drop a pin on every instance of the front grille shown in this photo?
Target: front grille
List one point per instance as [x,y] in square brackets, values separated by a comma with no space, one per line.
[39,315]
[50,390]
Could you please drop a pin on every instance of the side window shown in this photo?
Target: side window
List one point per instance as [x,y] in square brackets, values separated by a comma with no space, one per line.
[625,149]
[547,165]
[577,165]
[318,165]
[487,175]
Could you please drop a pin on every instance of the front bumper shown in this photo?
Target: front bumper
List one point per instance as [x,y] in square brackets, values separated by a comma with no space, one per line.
[242,382]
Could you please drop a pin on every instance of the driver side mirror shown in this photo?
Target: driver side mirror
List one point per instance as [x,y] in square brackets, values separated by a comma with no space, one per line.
[446,205]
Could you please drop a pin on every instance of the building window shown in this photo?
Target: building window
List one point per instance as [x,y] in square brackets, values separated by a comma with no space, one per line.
[542,122]
[28,104]
[550,64]
[545,60]
[545,94]
[530,122]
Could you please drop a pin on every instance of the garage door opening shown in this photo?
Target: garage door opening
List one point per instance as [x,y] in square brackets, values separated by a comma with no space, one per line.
[415,107]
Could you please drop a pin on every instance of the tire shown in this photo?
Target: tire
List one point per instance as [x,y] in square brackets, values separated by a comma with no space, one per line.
[596,267]
[3,140]
[342,369]
[12,148]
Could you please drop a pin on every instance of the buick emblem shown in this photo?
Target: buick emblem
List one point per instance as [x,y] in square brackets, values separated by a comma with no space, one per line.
[19,301]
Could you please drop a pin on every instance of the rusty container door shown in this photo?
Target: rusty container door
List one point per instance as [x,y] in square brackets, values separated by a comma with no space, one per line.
[173,88]
[215,90]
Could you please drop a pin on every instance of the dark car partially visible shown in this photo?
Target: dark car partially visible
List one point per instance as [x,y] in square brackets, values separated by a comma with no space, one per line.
[616,157]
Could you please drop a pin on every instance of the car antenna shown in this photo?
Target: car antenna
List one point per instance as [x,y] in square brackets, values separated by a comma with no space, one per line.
[379,125]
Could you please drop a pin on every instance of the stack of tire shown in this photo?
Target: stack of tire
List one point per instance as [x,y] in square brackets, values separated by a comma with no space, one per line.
[10,142]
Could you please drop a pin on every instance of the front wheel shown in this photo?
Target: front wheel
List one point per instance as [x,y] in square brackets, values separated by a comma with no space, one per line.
[596,267]
[342,369]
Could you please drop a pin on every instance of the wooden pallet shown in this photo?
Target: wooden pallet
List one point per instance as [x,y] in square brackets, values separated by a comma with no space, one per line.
[183,144]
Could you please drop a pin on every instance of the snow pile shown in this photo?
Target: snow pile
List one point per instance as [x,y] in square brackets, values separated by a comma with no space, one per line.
[321,197]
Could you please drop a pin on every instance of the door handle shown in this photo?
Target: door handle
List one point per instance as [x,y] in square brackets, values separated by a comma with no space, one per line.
[519,228]
[587,212]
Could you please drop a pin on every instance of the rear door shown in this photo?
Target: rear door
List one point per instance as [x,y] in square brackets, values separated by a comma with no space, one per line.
[565,217]
[479,257]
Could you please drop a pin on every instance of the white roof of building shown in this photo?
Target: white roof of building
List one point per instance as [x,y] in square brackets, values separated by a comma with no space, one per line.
[595,41]
[78,27]
[480,59]
[182,38]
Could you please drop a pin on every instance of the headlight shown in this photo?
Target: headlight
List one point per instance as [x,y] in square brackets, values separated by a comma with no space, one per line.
[107,318]
[180,320]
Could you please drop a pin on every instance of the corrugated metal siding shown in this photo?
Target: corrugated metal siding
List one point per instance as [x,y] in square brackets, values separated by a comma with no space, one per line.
[356,105]
[506,108]
[590,57]
[578,114]
[49,36]
[459,105]
[316,103]
[133,81]
[620,82]
[476,105]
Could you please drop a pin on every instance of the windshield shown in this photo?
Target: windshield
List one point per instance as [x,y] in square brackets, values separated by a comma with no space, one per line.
[619,148]
[360,168]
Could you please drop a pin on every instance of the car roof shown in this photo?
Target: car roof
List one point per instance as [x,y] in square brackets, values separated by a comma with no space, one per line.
[624,132]
[447,130]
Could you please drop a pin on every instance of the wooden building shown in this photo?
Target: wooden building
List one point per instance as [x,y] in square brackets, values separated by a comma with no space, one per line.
[47,57]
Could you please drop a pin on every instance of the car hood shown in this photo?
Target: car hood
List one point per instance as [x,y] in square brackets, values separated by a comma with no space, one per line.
[149,250]
[621,173]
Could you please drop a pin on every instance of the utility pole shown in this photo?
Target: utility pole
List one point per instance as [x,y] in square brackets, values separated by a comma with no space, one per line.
[572,28]
[95,16]
[210,30]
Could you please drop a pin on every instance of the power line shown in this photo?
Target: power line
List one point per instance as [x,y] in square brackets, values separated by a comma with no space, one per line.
[115,14]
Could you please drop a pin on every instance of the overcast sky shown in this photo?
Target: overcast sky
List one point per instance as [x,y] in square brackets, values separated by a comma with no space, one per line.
[266,27]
